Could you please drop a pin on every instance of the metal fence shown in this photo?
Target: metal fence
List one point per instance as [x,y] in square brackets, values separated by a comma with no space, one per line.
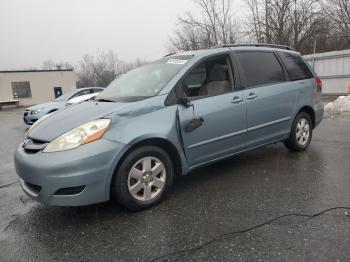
[334,70]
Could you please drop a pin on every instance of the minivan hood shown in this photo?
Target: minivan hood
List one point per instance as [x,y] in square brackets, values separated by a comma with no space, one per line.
[70,117]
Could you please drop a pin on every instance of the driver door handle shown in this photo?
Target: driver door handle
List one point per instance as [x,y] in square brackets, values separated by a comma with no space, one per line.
[237,100]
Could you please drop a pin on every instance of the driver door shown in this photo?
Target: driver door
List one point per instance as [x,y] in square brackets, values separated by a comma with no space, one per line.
[222,108]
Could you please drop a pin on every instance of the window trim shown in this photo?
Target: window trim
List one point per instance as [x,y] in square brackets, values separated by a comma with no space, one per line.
[242,73]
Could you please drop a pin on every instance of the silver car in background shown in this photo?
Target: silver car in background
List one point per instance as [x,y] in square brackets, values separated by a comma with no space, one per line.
[34,113]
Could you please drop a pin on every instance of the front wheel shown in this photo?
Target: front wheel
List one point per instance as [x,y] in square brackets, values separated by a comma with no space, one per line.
[300,134]
[143,178]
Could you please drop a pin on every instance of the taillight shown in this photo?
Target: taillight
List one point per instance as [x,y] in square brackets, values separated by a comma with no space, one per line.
[319,82]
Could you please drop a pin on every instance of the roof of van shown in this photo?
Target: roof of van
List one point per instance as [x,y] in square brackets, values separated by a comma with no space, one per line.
[222,48]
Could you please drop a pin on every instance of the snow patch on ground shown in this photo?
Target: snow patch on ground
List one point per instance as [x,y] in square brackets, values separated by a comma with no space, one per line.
[337,107]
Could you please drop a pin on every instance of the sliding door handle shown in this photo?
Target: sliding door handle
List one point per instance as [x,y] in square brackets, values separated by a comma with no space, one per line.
[237,100]
[251,96]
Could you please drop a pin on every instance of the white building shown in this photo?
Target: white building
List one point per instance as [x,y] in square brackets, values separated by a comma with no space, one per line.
[334,70]
[35,86]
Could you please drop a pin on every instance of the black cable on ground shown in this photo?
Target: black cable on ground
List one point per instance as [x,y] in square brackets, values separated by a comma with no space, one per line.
[218,237]
[9,184]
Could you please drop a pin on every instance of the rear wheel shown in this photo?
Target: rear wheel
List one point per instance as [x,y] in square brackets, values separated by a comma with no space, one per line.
[301,133]
[143,179]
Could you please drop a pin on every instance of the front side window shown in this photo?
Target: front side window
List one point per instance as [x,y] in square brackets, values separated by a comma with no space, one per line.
[145,81]
[260,68]
[21,90]
[210,78]
[296,67]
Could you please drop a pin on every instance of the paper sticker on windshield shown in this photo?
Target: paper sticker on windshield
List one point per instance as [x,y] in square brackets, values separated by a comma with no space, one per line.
[176,61]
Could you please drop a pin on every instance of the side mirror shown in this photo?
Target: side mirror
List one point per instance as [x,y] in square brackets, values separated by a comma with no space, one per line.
[184,101]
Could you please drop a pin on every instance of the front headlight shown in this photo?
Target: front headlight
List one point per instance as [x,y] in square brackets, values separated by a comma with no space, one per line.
[36,111]
[80,135]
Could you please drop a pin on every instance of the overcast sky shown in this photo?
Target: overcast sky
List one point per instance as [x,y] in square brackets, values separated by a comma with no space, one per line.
[32,31]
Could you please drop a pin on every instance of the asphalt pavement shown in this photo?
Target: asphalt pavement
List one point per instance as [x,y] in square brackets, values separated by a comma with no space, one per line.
[264,205]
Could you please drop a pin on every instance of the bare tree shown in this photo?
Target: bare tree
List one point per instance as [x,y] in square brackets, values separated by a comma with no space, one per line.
[99,70]
[288,22]
[255,22]
[214,25]
[102,69]
[338,14]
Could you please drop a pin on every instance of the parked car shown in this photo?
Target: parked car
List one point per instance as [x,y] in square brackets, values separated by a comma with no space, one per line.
[82,98]
[167,118]
[34,113]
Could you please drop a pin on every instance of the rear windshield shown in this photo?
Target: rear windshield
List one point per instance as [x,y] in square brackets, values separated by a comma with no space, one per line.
[296,67]
[145,81]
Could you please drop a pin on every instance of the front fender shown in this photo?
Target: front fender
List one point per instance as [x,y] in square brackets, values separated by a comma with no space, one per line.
[153,122]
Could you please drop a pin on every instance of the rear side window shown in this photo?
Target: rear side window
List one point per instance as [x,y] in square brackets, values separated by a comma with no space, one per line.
[261,68]
[296,67]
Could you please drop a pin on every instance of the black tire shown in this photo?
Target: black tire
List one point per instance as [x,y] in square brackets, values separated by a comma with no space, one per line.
[292,142]
[120,183]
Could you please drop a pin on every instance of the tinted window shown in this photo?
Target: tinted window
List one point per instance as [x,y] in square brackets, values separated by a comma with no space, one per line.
[261,68]
[296,67]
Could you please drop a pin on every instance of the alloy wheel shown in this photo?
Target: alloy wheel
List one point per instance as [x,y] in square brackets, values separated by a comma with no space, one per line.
[146,179]
[303,132]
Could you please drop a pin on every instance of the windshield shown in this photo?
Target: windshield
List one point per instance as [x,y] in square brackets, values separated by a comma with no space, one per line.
[145,81]
[64,97]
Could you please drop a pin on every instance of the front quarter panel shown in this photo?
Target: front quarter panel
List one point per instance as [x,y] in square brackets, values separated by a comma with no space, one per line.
[149,120]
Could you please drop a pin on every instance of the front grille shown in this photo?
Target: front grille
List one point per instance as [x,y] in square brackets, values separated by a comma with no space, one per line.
[33,145]
[69,191]
[35,188]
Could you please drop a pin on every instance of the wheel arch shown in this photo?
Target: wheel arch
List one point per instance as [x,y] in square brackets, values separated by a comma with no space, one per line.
[162,143]
[310,111]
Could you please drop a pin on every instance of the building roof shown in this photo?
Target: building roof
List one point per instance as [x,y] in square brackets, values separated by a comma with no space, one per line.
[36,71]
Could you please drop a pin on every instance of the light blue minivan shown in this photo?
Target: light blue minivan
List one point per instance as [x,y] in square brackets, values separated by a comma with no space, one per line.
[167,118]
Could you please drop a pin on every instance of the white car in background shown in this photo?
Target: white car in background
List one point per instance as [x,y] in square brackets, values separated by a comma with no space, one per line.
[34,113]
[82,98]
